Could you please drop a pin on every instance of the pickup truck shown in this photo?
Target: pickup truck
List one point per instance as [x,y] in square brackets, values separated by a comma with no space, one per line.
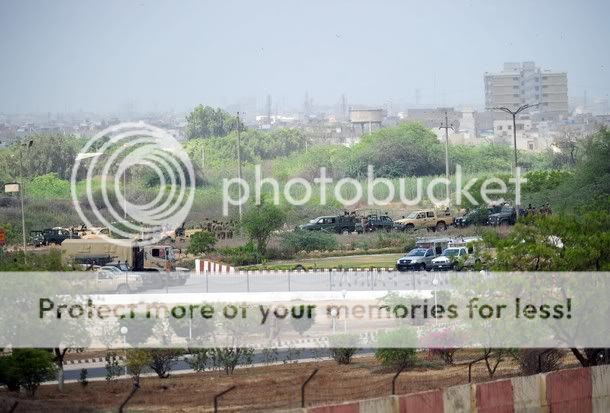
[428,218]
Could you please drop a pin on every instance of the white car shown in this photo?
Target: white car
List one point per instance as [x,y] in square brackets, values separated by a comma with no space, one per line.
[448,259]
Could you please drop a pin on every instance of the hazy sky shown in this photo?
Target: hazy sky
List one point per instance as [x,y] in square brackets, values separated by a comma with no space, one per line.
[99,56]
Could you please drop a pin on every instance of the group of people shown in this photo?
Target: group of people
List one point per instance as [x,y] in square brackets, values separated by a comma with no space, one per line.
[545,209]
[220,229]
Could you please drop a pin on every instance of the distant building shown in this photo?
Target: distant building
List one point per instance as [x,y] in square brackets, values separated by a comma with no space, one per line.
[521,83]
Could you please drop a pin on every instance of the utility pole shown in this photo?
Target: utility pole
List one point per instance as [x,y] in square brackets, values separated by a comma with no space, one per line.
[447,126]
[239,163]
[29,145]
[514,114]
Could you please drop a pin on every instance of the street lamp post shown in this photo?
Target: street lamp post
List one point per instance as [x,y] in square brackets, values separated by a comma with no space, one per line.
[514,114]
[239,162]
[447,126]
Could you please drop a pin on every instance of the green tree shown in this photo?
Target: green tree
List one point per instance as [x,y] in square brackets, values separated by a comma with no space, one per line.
[201,242]
[137,360]
[406,150]
[260,221]
[30,368]
[206,122]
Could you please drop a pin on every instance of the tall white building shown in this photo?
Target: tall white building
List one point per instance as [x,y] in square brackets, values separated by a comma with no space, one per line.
[521,83]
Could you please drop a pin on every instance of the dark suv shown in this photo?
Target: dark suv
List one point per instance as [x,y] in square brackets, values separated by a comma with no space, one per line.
[378,223]
[506,216]
[341,224]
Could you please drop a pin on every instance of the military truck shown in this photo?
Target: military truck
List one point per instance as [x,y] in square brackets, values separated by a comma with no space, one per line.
[340,224]
[429,219]
[150,258]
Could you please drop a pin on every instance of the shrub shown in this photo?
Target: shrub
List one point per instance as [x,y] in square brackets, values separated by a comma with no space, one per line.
[441,344]
[343,347]
[162,360]
[228,358]
[243,255]
[113,368]
[82,379]
[201,242]
[550,359]
[308,241]
[396,348]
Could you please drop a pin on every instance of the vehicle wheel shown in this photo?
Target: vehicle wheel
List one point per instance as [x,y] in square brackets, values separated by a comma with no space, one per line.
[504,223]
[299,267]
[122,289]
[388,229]
[345,231]
[441,226]
[422,267]
[409,227]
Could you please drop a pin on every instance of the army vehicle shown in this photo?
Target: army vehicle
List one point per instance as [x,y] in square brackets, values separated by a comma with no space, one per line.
[506,216]
[340,224]
[149,258]
[476,216]
[429,219]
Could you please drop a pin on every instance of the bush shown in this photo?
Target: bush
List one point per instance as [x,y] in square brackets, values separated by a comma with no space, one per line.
[343,347]
[162,360]
[228,358]
[201,242]
[441,344]
[396,348]
[550,359]
[300,240]
[243,255]
[82,378]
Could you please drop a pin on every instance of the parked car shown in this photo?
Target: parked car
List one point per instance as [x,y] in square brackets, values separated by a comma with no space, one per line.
[416,259]
[449,259]
[429,219]
[341,224]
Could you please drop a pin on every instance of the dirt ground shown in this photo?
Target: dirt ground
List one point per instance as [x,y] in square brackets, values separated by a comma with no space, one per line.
[260,389]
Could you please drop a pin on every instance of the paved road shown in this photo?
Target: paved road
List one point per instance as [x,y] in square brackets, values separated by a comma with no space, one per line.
[72,372]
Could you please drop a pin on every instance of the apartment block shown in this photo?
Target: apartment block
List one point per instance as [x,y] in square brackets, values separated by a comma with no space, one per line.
[521,83]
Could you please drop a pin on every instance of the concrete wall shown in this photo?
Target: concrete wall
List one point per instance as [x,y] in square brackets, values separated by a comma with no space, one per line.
[568,390]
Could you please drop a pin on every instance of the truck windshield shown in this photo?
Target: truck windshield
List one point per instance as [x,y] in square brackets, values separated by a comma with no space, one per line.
[451,252]
[417,252]
[412,215]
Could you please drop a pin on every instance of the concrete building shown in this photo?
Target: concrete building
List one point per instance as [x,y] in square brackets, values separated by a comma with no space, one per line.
[521,83]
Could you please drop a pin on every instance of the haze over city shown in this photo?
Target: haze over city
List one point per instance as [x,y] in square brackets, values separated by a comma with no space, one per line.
[68,56]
